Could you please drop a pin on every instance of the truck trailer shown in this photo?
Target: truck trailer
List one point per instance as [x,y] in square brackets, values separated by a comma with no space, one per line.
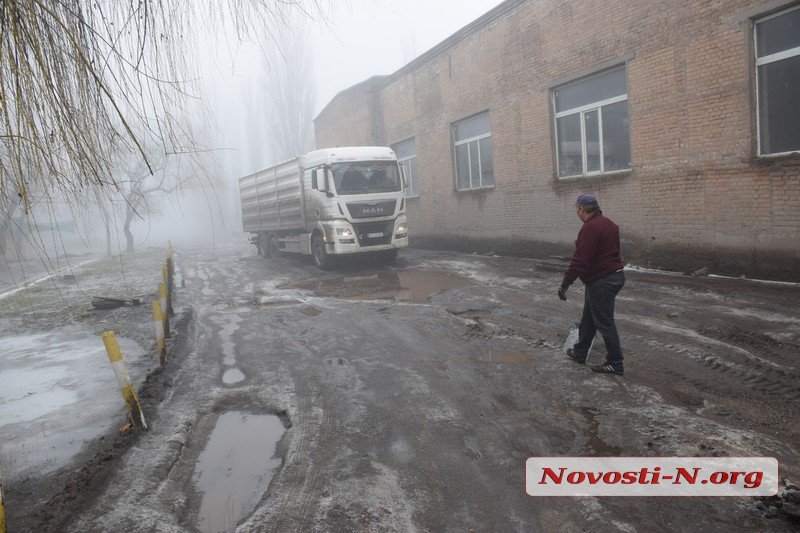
[328,203]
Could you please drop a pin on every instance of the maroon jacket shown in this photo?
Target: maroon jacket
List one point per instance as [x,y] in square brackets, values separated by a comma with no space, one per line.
[596,251]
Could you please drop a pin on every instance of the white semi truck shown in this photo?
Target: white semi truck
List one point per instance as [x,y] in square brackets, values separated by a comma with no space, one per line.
[328,203]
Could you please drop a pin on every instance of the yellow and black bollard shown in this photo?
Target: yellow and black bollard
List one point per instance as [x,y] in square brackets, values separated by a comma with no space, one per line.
[162,301]
[165,270]
[2,505]
[123,380]
[161,347]
[170,264]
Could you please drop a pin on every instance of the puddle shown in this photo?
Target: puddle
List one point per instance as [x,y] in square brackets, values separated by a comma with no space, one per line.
[29,394]
[596,445]
[234,470]
[401,286]
[506,357]
[58,391]
[232,375]
[310,311]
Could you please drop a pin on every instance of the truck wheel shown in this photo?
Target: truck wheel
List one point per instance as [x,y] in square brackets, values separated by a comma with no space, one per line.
[262,245]
[273,248]
[320,254]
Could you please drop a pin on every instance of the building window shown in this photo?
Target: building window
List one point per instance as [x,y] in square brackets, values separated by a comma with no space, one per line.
[777,42]
[406,152]
[473,152]
[591,121]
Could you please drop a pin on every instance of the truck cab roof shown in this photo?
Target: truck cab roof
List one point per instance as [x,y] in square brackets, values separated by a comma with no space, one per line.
[348,153]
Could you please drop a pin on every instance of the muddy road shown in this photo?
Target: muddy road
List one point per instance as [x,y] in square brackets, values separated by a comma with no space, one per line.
[409,397]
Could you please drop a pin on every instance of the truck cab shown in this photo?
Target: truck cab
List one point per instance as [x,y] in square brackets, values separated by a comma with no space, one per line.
[356,196]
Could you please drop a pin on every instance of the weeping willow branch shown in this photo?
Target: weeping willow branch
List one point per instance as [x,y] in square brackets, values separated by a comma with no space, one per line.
[82,81]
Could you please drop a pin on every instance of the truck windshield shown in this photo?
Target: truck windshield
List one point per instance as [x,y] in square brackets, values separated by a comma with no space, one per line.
[362,177]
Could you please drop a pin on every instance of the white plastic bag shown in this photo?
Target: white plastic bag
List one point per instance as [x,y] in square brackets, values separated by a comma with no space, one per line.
[572,338]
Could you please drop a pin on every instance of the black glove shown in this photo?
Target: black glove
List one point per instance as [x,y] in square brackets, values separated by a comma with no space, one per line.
[562,293]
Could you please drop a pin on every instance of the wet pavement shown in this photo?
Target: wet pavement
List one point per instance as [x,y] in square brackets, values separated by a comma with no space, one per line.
[58,393]
[400,286]
[412,395]
[16,275]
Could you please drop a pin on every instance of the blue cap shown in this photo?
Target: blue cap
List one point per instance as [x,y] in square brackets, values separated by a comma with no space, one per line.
[585,199]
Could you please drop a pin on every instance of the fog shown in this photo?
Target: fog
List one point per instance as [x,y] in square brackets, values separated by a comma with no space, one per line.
[241,123]
[355,43]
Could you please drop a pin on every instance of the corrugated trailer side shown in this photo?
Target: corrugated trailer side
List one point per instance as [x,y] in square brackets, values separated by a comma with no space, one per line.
[272,199]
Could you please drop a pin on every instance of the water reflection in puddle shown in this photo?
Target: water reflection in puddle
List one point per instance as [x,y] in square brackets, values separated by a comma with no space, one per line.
[406,285]
[506,357]
[234,470]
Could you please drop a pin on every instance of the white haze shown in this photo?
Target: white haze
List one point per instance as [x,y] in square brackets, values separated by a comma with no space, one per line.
[366,39]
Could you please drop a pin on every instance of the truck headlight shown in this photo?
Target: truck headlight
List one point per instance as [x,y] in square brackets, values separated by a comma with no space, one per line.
[401,231]
[344,232]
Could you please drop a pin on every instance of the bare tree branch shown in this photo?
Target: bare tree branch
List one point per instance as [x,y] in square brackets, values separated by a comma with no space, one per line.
[82,80]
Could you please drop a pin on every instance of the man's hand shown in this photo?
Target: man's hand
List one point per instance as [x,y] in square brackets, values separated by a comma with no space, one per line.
[562,293]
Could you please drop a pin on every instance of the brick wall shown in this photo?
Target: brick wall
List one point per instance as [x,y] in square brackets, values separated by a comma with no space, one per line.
[348,118]
[696,196]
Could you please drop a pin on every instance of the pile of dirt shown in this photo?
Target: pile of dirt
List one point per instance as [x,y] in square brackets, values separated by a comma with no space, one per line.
[786,503]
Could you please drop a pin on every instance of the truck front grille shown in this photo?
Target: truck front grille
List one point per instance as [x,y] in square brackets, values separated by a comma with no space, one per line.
[374,233]
[378,208]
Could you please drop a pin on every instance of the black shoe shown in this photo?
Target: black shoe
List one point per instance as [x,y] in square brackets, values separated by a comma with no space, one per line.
[608,368]
[572,354]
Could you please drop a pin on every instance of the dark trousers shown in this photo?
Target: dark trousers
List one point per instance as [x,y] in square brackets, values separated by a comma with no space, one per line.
[598,314]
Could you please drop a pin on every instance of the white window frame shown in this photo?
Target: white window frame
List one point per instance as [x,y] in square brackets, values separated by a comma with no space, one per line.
[581,111]
[766,60]
[410,193]
[478,138]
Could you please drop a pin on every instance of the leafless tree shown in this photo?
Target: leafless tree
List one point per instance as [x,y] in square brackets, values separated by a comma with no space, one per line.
[145,188]
[83,80]
[290,91]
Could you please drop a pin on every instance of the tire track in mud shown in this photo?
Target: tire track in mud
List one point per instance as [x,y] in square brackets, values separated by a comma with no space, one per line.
[759,374]
[766,380]
[294,492]
[300,479]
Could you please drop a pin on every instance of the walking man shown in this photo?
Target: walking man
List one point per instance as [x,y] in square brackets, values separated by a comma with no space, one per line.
[597,263]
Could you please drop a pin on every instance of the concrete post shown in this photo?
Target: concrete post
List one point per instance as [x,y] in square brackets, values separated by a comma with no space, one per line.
[161,347]
[123,380]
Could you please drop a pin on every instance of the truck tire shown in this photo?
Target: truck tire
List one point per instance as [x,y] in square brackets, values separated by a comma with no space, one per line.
[273,247]
[320,254]
[261,245]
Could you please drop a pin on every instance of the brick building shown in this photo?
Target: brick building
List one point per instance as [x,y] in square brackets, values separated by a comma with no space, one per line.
[683,117]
